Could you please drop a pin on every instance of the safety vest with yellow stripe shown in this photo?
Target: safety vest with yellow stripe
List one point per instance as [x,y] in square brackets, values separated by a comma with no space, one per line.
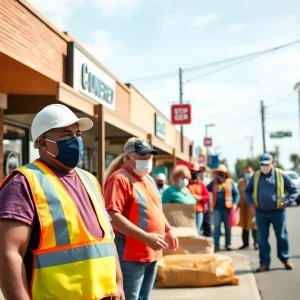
[70,263]
[279,187]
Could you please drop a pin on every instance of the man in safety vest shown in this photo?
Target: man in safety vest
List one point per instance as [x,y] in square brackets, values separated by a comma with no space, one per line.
[55,234]
[270,192]
[135,206]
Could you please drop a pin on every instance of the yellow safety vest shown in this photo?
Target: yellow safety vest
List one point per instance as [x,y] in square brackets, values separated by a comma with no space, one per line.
[279,186]
[70,263]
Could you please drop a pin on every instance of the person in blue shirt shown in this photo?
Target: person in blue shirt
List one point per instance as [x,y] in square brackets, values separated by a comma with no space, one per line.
[270,192]
[225,198]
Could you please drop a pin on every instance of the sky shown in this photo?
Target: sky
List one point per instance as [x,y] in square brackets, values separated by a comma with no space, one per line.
[140,38]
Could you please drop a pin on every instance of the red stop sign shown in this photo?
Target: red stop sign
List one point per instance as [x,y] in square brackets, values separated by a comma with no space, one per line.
[207,142]
[181,114]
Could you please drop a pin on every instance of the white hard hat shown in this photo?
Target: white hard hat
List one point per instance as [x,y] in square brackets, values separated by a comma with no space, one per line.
[56,116]
[161,176]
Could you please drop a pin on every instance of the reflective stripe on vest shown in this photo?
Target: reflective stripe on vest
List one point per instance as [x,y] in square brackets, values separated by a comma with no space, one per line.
[142,206]
[228,194]
[70,263]
[279,187]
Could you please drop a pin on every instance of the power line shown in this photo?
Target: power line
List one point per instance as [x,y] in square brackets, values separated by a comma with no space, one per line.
[211,64]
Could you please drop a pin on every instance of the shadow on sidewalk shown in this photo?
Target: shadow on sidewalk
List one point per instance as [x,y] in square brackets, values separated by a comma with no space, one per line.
[243,272]
[295,257]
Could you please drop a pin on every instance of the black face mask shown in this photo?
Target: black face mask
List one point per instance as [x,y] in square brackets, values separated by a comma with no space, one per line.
[194,176]
[160,185]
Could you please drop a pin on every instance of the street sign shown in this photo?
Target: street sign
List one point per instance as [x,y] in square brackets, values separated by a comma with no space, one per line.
[213,161]
[280,134]
[207,142]
[201,159]
[181,114]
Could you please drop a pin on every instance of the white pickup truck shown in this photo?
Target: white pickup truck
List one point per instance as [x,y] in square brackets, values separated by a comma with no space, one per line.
[296,179]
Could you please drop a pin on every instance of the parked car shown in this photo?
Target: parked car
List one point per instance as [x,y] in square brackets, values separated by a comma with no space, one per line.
[296,179]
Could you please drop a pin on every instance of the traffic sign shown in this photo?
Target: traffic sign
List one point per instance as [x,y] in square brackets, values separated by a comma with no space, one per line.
[207,142]
[201,159]
[213,161]
[181,114]
[280,134]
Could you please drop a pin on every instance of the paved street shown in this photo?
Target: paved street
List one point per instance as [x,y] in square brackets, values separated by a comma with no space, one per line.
[279,283]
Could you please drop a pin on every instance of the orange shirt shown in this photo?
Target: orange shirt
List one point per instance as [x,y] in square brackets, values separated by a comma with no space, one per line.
[120,196]
[199,189]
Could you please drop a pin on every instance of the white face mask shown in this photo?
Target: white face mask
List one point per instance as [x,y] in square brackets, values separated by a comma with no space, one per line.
[142,167]
[266,169]
[183,182]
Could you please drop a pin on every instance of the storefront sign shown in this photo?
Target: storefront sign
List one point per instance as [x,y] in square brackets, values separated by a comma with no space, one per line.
[181,114]
[160,127]
[87,77]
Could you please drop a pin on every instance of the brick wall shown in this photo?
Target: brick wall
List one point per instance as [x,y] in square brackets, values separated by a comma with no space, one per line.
[1,144]
[29,40]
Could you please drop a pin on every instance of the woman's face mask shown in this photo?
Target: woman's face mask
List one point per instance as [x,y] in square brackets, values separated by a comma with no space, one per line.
[183,182]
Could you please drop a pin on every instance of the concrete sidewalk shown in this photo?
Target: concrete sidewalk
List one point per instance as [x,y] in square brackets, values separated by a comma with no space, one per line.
[246,290]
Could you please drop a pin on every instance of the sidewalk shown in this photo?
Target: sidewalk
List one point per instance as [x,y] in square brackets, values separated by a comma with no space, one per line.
[246,290]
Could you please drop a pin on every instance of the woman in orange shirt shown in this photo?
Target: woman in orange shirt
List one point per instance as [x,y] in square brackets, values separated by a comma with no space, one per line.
[200,193]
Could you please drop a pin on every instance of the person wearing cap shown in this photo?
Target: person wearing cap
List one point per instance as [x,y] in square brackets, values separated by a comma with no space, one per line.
[56,237]
[247,213]
[161,183]
[134,204]
[200,193]
[225,198]
[270,191]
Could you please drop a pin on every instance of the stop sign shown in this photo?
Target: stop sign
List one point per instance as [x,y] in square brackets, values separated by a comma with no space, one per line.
[201,159]
[207,142]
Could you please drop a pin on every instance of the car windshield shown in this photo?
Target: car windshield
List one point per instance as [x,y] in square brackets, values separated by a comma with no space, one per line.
[292,176]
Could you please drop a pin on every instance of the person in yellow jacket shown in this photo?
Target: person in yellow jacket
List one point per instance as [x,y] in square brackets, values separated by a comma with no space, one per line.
[55,234]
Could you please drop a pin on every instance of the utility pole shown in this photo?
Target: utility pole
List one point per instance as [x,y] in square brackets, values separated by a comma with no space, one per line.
[251,146]
[297,88]
[262,110]
[180,101]
[277,155]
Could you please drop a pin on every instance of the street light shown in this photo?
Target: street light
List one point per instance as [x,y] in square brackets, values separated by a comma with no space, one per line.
[297,87]
[206,135]
[251,145]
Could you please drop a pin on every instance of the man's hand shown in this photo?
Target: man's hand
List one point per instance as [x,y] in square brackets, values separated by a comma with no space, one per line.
[172,240]
[121,295]
[155,241]
[282,205]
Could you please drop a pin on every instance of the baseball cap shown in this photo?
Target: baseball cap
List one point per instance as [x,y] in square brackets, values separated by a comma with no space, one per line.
[265,159]
[139,146]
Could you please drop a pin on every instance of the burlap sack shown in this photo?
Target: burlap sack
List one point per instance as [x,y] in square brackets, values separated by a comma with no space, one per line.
[195,270]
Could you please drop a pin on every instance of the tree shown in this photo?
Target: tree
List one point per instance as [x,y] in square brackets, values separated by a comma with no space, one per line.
[295,159]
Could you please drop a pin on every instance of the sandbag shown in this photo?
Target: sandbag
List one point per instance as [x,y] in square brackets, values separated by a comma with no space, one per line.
[193,245]
[196,270]
[180,215]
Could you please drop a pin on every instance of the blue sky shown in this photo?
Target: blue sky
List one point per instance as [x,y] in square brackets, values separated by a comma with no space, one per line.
[137,38]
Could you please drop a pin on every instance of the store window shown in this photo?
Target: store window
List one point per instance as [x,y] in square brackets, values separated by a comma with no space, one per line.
[109,157]
[85,163]
[15,147]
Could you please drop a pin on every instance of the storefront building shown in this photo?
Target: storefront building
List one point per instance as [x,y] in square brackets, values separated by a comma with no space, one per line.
[39,65]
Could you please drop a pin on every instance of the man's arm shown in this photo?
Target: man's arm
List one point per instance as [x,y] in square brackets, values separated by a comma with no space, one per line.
[14,239]
[249,192]
[291,189]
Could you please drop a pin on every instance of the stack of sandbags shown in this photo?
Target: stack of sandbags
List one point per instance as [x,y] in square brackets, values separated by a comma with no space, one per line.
[182,219]
[195,270]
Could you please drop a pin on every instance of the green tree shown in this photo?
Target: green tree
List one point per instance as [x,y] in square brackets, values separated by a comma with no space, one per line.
[295,159]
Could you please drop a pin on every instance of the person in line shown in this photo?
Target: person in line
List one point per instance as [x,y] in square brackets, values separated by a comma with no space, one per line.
[134,204]
[56,238]
[200,193]
[161,183]
[178,192]
[206,225]
[270,191]
[247,213]
[225,198]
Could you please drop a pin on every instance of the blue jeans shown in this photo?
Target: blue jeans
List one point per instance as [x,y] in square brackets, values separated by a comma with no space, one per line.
[219,217]
[278,220]
[138,277]
[199,221]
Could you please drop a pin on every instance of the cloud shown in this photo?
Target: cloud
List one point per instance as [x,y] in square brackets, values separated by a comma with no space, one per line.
[111,7]
[203,21]
[58,11]
[238,27]
[172,21]
[103,47]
